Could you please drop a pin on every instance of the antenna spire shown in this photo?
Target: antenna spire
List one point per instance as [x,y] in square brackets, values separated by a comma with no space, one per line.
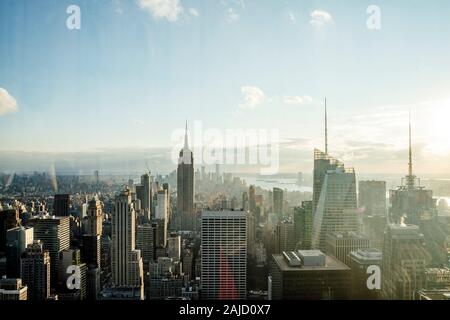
[410,178]
[186,145]
[326,128]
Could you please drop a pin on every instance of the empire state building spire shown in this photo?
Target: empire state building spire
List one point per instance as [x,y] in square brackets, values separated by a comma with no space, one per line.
[186,143]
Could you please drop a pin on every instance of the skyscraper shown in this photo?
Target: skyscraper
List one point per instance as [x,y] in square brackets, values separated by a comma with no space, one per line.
[71,258]
[54,232]
[162,216]
[252,199]
[146,195]
[336,207]
[404,261]
[413,204]
[278,203]
[284,236]
[372,197]
[127,268]
[145,242]
[185,188]
[340,244]
[35,271]
[61,205]
[303,225]
[224,255]
[95,217]
[8,219]
[322,163]
[17,241]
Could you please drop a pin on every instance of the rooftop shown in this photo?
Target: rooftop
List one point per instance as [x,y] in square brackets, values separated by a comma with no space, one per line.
[330,263]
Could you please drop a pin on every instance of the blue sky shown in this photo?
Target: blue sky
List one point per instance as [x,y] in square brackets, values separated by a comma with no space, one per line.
[135,71]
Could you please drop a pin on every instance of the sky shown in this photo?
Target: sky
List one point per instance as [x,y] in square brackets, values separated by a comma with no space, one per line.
[136,70]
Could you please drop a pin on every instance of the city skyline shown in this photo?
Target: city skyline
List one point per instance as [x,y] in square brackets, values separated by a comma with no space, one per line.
[76,87]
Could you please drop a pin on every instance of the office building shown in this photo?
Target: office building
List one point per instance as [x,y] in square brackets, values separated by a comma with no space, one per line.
[336,206]
[372,197]
[145,242]
[364,263]
[17,241]
[340,244]
[284,236]
[54,232]
[404,262]
[308,275]
[303,222]
[174,247]
[127,267]
[12,290]
[278,202]
[94,217]
[35,271]
[8,219]
[61,205]
[224,255]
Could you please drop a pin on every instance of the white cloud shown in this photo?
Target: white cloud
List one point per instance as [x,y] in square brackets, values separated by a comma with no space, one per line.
[194,12]
[292,17]
[162,9]
[253,96]
[297,100]
[320,18]
[7,102]
[232,15]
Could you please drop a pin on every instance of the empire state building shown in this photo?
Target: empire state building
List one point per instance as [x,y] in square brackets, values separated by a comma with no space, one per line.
[185,188]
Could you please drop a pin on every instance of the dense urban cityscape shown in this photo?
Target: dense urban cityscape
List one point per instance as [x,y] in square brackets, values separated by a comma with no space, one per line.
[194,234]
